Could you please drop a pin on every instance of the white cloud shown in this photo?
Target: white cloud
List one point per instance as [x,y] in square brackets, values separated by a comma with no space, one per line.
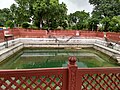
[77,5]
[6,3]
[72,5]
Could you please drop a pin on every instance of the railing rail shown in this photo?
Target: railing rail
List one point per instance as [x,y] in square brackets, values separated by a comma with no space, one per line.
[37,79]
[29,33]
[100,79]
[70,78]
[1,36]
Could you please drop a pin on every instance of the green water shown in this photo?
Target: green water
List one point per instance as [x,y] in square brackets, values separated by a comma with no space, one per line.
[49,58]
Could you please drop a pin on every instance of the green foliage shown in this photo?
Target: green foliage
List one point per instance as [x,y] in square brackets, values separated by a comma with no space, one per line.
[24,11]
[92,23]
[105,10]
[112,25]
[25,25]
[4,15]
[49,14]
[10,24]
[14,14]
[63,24]
[1,25]
[105,22]
[74,27]
[33,27]
[50,11]
[78,20]
[115,24]
[52,24]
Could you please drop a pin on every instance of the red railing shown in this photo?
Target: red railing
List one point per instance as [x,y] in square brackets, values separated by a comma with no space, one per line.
[29,33]
[99,34]
[43,33]
[112,36]
[15,32]
[39,79]
[1,36]
[100,79]
[63,32]
[71,78]
[88,34]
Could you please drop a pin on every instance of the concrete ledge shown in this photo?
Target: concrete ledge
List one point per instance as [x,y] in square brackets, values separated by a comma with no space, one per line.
[39,41]
[2,46]
[5,53]
[104,43]
[13,42]
[57,45]
[17,44]
[111,52]
[8,43]
[107,49]
[51,42]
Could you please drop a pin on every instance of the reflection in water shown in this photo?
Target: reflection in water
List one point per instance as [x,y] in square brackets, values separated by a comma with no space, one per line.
[56,58]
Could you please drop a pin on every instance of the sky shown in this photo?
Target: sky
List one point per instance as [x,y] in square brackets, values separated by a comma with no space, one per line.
[72,5]
[77,5]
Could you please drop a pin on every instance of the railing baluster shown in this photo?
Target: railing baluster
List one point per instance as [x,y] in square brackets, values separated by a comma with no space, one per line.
[73,78]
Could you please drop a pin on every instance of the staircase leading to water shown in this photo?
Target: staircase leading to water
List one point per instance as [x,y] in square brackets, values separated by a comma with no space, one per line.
[118,59]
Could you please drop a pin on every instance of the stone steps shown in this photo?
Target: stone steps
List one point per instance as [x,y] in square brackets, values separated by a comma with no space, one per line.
[5,53]
[118,59]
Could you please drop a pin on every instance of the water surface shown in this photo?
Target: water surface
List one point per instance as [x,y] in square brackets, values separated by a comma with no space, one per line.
[49,58]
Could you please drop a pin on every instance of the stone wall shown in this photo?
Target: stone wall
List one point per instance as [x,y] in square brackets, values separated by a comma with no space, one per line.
[17,44]
[50,42]
[5,53]
[114,46]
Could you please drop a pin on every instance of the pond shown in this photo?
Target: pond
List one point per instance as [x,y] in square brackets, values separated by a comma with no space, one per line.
[51,58]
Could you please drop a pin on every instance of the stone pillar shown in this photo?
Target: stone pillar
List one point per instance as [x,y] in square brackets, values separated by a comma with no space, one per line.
[73,74]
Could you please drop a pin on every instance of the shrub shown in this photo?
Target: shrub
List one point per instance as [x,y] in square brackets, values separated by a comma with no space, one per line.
[25,25]
[10,24]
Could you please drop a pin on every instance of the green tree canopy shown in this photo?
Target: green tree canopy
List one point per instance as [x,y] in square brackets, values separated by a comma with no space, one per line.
[4,15]
[49,11]
[115,24]
[106,10]
[10,24]
[43,13]
[78,19]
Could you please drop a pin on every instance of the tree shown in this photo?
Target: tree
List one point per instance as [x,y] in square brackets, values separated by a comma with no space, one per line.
[92,23]
[49,12]
[106,9]
[2,19]
[24,10]
[115,24]
[10,24]
[40,12]
[79,19]
[13,11]
[25,25]
[105,22]
[4,15]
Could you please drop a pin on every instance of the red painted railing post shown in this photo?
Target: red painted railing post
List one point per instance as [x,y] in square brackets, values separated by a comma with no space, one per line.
[73,77]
